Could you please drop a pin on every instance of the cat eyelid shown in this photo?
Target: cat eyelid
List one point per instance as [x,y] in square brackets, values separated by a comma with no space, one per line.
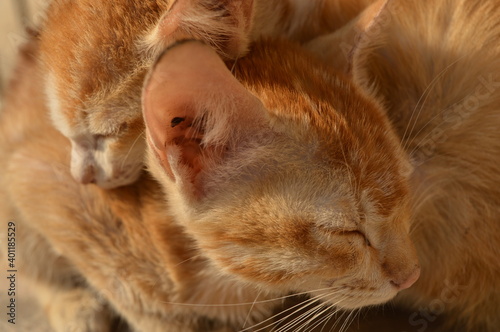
[120,129]
[339,230]
[344,232]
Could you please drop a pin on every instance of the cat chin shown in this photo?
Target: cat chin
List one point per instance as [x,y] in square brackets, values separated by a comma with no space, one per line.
[93,173]
[89,166]
[112,183]
[352,301]
[350,294]
[126,175]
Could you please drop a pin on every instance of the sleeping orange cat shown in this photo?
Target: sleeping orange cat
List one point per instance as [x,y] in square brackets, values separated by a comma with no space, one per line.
[257,228]
[282,175]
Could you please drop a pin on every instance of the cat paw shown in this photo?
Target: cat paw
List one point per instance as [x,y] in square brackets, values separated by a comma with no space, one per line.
[78,310]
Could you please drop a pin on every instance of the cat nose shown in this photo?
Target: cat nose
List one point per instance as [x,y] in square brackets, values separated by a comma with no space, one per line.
[88,175]
[407,280]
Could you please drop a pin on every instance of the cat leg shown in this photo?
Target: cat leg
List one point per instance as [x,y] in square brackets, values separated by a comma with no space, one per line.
[69,305]
[74,310]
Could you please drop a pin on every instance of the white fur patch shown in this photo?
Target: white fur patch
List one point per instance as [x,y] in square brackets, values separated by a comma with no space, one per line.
[82,161]
[58,119]
[92,161]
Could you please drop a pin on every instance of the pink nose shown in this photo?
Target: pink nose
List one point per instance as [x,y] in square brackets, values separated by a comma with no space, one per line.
[408,281]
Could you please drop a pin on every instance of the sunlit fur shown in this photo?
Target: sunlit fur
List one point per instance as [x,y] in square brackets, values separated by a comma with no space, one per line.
[455,207]
[266,234]
[435,64]
[256,214]
[446,110]
[99,247]
[95,55]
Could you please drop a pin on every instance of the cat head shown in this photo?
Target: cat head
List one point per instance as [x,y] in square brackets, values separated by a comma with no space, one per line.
[96,55]
[107,143]
[286,174]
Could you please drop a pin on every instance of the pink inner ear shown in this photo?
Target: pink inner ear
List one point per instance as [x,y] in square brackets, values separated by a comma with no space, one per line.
[169,109]
[190,101]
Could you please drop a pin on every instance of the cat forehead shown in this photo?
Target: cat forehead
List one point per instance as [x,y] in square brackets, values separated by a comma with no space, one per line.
[332,209]
[293,84]
[297,188]
[319,199]
[335,210]
[348,126]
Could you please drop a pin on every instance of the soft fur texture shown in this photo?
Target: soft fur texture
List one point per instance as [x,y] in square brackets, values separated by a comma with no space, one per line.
[284,177]
[435,65]
[242,230]
[149,261]
[95,55]
[449,124]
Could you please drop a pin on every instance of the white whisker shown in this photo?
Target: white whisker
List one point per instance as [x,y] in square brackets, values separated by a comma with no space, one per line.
[131,148]
[346,323]
[314,321]
[422,100]
[250,303]
[309,312]
[409,143]
[297,320]
[187,260]
[234,65]
[325,319]
[339,319]
[250,310]
[328,318]
[304,304]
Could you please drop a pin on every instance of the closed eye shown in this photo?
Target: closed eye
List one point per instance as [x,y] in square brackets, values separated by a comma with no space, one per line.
[113,133]
[337,230]
[344,232]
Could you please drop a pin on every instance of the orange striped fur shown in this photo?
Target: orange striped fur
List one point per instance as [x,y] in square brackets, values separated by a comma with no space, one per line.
[271,172]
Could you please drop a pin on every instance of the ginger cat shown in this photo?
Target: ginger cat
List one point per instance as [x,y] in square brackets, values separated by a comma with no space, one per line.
[96,53]
[449,204]
[435,65]
[266,197]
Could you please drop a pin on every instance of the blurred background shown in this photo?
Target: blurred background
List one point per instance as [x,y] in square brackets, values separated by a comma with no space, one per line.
[15,17]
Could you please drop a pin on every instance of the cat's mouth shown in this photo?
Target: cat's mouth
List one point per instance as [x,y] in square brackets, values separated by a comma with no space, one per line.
[354,298]
[121,178]
[90,171]
[359,293]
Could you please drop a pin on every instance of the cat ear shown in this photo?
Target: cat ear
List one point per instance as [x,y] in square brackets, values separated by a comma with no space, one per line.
[223,24]
[348,49]
[195,113]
